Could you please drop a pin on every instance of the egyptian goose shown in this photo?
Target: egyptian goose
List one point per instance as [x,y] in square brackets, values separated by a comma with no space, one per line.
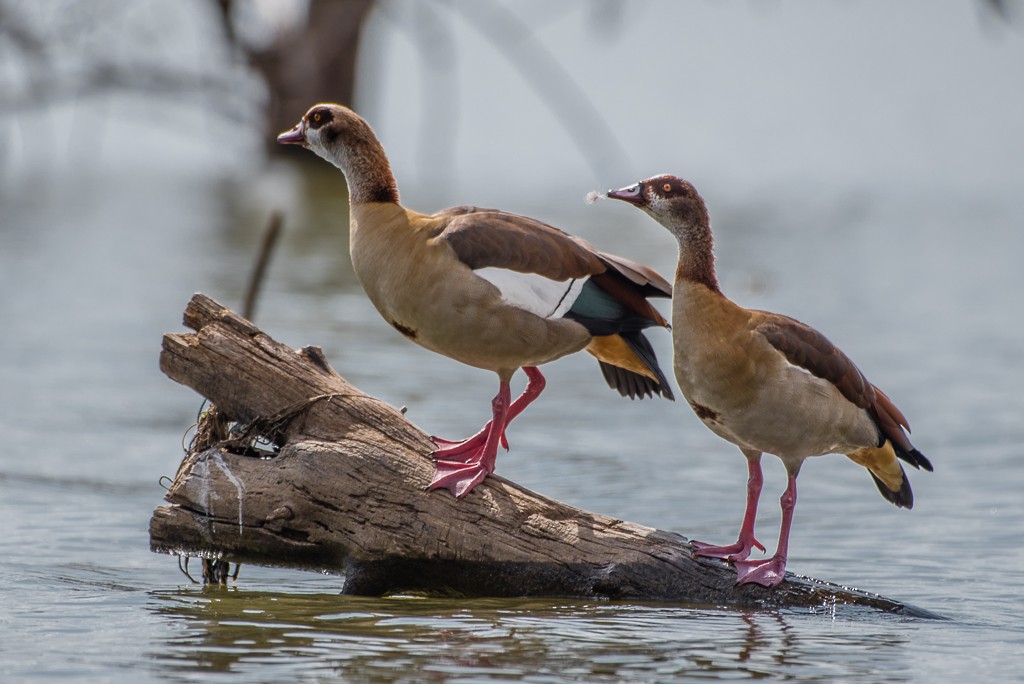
[767,383]
[490,289]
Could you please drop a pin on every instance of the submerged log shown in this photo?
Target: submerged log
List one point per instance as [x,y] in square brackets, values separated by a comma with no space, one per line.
[315,474]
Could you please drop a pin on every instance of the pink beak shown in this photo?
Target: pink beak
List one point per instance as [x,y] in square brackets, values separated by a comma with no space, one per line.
[295,136]
[633,194]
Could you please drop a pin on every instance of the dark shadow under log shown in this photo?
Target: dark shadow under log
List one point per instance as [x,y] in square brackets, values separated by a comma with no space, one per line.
[320,476]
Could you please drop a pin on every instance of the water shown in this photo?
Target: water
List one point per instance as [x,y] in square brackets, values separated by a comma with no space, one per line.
[883,209]
[920,290]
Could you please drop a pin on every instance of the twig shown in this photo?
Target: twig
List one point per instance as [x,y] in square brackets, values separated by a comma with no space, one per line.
[262,259]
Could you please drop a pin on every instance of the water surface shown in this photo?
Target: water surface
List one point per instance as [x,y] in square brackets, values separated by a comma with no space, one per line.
[920,290]
[862,162]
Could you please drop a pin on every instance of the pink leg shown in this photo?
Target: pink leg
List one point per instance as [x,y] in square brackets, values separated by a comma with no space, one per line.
[465,450]
[772,571]
[746,542]
[461,468]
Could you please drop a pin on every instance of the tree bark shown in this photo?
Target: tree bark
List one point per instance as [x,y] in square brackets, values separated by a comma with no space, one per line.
[317,475]
[314,62]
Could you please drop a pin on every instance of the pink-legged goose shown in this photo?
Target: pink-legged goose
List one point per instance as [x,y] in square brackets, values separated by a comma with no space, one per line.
[767,383]
[490,289]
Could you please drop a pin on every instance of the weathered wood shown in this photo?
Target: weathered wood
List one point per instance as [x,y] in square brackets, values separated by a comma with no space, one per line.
[343,490]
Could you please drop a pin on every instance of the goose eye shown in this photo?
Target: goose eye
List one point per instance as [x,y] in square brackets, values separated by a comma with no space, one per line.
[318,116]
[666,187]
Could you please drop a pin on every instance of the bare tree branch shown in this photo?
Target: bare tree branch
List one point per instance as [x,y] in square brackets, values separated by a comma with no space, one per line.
[557,88]
[152,79]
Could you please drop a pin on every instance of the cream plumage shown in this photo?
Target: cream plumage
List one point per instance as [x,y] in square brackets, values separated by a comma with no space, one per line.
[767,383]
[491,289]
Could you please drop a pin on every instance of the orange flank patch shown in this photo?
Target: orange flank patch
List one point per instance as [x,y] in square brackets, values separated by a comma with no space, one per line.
[882,463]
[612,349]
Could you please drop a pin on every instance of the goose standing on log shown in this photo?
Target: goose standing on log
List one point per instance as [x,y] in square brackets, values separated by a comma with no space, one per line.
[490,289]
[767,383]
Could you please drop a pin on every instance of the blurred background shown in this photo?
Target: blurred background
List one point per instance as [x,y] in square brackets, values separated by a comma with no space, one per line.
[864,168]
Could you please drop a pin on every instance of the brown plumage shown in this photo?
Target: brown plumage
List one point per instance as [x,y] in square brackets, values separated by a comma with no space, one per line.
[766,382]
[488,288]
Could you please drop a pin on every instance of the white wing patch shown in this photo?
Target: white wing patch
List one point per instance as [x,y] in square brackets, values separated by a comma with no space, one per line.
[534,293]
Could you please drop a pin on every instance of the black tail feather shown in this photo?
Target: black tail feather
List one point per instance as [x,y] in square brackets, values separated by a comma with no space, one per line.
[914,458]
[628,383]
[904,498]
[635,385]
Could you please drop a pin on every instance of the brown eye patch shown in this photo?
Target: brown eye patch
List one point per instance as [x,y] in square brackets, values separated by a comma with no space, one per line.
[319,117]
[669,186]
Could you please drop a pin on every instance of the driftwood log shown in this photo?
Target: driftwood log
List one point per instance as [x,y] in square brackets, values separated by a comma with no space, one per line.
[315,474]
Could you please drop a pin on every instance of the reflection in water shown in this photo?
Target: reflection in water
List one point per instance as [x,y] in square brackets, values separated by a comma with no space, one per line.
[405,639]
